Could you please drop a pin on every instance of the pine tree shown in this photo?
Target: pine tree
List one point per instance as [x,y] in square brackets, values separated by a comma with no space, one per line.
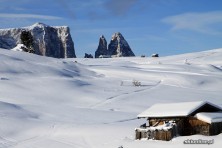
[27,40]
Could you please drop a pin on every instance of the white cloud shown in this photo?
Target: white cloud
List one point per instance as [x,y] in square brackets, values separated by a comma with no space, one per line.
[28,16]
[200,22]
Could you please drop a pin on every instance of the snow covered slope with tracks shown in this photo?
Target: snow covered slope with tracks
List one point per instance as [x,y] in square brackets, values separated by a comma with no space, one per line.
[92,103]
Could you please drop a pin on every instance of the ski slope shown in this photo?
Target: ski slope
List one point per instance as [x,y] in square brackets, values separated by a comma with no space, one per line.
[91,103]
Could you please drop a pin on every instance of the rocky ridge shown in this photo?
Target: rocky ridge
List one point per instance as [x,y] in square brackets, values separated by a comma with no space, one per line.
[48,41]
[102,48]
[118,47]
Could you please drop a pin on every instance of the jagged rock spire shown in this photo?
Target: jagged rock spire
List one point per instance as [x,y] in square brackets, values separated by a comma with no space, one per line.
[102,48]
[119,47]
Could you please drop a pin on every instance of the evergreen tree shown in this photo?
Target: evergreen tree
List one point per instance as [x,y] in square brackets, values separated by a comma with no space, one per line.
[27,40]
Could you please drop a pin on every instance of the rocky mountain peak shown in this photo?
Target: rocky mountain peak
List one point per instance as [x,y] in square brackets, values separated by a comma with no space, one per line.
[47,40]
[102,36]
[37,25]
[102,41]
[40,24]
[119,47]
[117,36]
[102,48]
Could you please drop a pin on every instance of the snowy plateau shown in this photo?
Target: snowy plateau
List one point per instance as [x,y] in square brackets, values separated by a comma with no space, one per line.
[91,103]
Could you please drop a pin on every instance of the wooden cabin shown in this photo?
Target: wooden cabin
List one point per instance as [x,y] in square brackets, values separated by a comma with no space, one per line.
[165,121]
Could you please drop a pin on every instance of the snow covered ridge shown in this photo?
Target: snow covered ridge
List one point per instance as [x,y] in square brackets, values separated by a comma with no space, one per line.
[48,41]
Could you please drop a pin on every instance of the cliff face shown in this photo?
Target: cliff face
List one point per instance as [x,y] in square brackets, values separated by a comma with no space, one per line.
[48,41]
[118,47]
[102,48]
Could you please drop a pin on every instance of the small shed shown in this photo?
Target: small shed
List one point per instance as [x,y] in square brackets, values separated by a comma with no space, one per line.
[155,55]
[165,121]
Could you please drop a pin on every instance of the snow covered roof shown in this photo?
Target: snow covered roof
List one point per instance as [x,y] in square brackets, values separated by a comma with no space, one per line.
[209,117]
[174,109]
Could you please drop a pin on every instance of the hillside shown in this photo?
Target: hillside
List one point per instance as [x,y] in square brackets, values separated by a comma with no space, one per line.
[91,103]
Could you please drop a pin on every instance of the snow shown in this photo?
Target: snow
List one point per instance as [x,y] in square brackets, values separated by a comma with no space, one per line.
[180,109]
[18,47]
[210,117]
[36,25]
[165,126]
[47,102]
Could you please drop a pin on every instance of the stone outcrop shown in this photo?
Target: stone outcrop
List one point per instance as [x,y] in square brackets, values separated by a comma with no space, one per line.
[118,47]
[88,55]
[47,41]
[102,48]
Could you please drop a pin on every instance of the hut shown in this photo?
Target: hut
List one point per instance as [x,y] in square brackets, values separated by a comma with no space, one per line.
[155,55]
[165,121]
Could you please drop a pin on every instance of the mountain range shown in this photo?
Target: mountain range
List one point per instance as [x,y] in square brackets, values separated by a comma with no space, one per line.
[118,47]
[47,40]
[56,41]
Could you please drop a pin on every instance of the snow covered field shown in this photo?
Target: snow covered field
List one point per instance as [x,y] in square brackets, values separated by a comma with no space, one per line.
[91,103]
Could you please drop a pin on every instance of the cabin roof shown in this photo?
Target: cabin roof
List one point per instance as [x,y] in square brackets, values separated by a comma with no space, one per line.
[209,117]
[181,109]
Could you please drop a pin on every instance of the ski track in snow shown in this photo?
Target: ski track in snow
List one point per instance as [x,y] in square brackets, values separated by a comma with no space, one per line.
[5,142]
[123,120]
[116,97]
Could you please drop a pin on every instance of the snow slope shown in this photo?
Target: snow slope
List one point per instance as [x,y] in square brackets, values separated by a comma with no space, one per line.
[91,103]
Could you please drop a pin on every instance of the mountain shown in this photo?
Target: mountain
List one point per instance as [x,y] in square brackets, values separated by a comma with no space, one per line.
[102,48]
[119,47]
[47,40]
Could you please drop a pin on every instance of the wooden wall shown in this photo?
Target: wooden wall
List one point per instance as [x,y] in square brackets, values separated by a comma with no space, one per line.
[198,126]
[184,127]
[165,135]
[215,128]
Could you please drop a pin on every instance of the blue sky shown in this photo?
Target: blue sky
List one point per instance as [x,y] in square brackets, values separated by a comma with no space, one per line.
[166,27]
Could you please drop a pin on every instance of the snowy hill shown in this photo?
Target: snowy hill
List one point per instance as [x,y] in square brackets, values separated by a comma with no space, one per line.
[83,103]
